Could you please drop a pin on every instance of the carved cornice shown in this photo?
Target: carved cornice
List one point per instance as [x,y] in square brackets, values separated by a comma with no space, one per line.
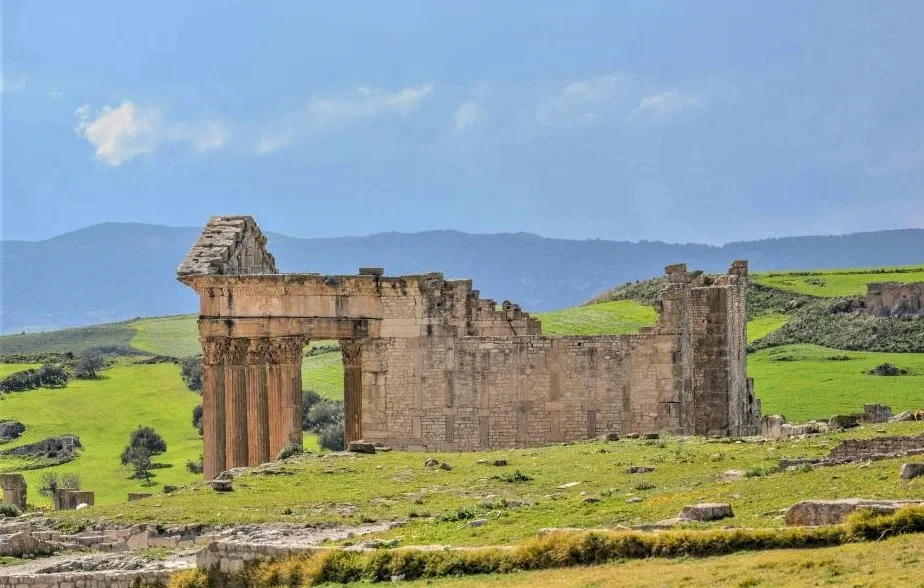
[252,351]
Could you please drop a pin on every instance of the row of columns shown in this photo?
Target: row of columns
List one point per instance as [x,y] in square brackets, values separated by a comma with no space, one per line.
[251,400]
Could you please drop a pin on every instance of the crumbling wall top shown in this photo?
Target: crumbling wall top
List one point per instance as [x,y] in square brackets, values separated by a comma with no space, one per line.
[228,245]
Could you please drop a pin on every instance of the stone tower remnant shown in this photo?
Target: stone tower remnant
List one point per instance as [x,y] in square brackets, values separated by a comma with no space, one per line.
[429,365]
[14,489]
[895,298]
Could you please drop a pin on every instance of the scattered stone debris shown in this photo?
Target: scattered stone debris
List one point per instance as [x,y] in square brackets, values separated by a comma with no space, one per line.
[911,470]
[844,421]
[731,475]
[431,463]
[590,500]
[445,466]
[634,500]
[61,449]
[639,469]
[224,482]
[877,413]
[478,522]
[10,430]
[361,446]
[499,462]
[633,435]
[860,450]
[611,436]
[811,513]
[651,436]
[568,485]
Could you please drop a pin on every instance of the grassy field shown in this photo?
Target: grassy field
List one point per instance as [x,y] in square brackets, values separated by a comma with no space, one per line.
[606,318]
[396,485]
[75,340]
[803,382]
[765,324]
[176,336]
[10,368]
[895,562]
[837,282]
[323,373]
[103,413]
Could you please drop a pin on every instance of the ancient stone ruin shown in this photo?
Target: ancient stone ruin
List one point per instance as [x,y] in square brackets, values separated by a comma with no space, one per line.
[895,298]
[14,489]
[429,365]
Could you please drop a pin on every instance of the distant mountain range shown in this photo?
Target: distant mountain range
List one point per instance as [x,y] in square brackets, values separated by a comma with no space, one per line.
[116,271]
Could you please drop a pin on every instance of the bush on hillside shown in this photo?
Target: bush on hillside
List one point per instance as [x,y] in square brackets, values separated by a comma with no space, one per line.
[325,418]
[194,467]
[191,371]
[89,365]
[47,376]
[197,417]
[887,369]
[139,457]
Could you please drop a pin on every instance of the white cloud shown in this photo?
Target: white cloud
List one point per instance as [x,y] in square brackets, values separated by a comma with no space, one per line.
[325,113]
[665,104]
[122,133]
[467,114]
[585,102]
[55,94]
[11,85]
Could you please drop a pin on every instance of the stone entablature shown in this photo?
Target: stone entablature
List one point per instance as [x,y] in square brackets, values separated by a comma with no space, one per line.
[430,365]
[895,298]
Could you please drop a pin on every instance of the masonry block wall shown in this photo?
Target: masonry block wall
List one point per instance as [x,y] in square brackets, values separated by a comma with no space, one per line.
[895,298]
[430,365]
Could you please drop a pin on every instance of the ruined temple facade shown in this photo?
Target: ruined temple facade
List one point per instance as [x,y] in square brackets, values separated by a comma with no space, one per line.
[429,365]
[895,298]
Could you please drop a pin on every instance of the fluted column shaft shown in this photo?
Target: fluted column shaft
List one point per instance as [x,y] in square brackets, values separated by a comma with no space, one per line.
[284,387]
[352,353]
[213,407]
[258,450]
[236,438]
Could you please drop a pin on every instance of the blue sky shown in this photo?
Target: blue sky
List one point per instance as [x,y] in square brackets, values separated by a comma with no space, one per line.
[679,121]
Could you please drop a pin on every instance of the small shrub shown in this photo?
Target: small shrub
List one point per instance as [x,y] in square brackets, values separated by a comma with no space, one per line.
[887,369]
[197,418]
[9,510]
[289,451]
[89,365]
[195,467]
[644,485]
[332,437]
[147,438]
[758,472]
[462,514]
[52,481]
[189,579]
[517,477]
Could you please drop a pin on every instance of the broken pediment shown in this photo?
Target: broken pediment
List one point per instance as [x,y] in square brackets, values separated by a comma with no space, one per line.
[230,246]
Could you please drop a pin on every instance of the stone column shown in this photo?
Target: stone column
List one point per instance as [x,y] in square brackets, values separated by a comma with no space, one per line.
[284,387]
[236,443]
[258,434]
[213,406]
[352,353]
[14,490]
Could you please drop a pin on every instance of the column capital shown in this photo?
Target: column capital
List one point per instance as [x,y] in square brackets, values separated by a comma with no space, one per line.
[284,350]
[214,350]
[352,351]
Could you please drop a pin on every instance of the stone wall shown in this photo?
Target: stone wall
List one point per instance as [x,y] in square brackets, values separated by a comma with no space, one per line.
[429,364]
[87,580]
[864,448]
[895,298]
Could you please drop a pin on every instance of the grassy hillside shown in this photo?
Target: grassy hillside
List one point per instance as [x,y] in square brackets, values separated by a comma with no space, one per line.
[350,488]
[176,336]
[75,340]
[607,318]
[837,282]
[103,413]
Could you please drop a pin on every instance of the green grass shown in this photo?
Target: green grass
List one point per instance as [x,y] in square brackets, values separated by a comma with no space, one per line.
[801,382]
[763,325]
[348,489]
[606,318]
[11,368]
[103,413]
[176,336]
[323,373]
[837,282]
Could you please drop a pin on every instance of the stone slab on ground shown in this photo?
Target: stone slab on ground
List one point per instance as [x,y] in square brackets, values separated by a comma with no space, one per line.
[707,511]
[812,513]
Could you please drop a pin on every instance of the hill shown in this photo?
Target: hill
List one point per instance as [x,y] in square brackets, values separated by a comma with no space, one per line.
[116,271]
